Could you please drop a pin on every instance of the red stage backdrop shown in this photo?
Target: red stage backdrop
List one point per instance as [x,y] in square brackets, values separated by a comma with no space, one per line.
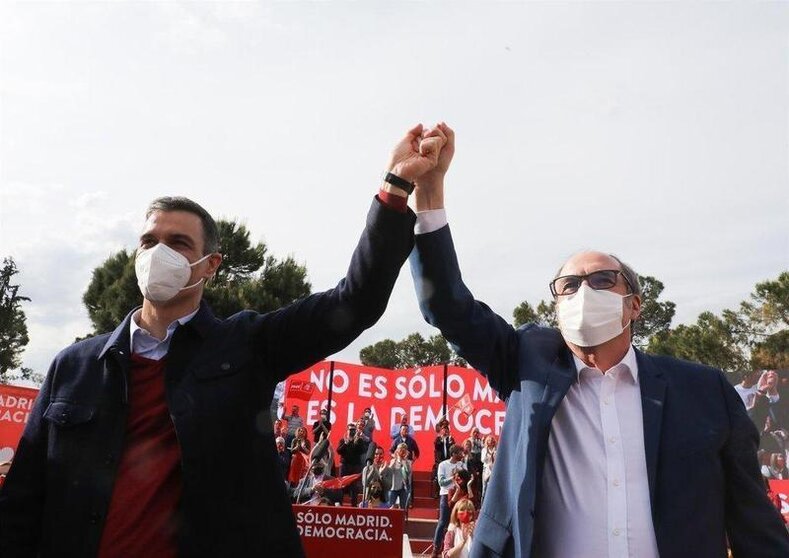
[329,532]
[415,392]
[15,405]
[781,489]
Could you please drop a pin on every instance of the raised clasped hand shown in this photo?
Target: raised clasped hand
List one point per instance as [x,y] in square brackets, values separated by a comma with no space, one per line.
[417,153]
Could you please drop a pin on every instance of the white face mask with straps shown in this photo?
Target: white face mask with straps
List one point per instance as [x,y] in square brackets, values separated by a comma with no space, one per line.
[590,317]
[162,272]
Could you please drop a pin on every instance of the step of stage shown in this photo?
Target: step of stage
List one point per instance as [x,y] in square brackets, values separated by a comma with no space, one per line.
[420,528]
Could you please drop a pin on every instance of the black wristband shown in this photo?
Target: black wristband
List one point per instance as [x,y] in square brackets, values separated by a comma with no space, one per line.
[401,183]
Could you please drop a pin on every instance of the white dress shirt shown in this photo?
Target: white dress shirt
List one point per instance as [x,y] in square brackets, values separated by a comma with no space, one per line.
[146,345]
[595,476]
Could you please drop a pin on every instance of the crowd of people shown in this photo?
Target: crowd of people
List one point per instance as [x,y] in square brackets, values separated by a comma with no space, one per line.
[765,394]
[460,472]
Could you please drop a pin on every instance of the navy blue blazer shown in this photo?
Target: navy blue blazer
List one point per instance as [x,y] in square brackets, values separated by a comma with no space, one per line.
[704,480]
[219,380]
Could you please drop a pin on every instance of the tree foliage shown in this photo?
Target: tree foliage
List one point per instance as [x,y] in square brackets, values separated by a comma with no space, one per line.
[13,329]
[753,336]
[655,315]
[545,315]
[249,278]
[412,351]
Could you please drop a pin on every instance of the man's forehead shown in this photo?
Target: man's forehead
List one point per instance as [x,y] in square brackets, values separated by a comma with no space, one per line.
[588,261]
[174,222]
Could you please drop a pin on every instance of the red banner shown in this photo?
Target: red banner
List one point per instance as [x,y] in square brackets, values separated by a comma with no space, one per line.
[780,490]
[15,406]
[414,392]
[329,532]
[300,390]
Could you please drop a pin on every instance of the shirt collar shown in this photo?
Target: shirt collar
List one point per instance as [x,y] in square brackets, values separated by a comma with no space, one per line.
[629,360]
[135,329]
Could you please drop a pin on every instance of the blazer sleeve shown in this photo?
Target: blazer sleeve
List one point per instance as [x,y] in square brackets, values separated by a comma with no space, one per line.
[478,334]
[23,494]
[302,333]
[753,524]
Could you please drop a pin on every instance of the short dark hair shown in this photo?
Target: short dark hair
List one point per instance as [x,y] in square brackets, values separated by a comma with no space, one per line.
[455,449]
[180,203]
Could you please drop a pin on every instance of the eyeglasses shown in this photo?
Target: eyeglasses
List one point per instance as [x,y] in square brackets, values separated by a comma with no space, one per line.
[598,280]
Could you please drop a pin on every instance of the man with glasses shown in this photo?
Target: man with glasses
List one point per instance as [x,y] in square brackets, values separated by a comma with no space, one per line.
[605,451]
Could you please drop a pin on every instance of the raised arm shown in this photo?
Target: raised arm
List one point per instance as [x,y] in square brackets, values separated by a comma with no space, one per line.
[319,325]
[479,335]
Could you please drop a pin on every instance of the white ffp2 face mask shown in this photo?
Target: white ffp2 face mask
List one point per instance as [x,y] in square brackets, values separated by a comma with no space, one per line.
[162,272]
[590,317]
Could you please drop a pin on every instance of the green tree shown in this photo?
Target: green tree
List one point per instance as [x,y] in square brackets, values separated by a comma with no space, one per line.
[712,340]
[249,278]
[655,315]
[772,353]
[545,315]
[13,327]
[414,350]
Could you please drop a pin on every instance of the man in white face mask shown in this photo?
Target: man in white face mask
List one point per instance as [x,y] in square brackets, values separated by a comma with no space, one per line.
[605,451]
[155,439]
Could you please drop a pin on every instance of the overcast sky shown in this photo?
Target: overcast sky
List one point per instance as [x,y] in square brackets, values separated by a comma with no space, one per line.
[656,131]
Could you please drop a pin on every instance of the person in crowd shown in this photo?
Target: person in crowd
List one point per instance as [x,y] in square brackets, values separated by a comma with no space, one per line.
[583,394]
[375,497]
[441,447]
[400,474]
[322,426]
[462,487]
[281,429]
[776,470]
[397,428]
[476,443]
[488,459]
[310,489]
[755,382]
[368,424]
[294,420]
[351,450]
[446,479]
[377,471]
[405,438]
[323,453]
[300,456]
[457,541]
[473,448]
[765,404]
[283,457]
[4,468]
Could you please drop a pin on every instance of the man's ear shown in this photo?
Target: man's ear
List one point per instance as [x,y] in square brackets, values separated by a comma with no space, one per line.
[214,261]
[635,307]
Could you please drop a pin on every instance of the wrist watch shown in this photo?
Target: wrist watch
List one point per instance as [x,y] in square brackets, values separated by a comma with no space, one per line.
[399,182]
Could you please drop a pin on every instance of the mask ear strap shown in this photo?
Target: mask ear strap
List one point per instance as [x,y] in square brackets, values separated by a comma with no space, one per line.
[193,284]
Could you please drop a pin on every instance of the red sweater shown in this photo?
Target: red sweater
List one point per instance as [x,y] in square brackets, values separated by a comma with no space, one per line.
[141,520]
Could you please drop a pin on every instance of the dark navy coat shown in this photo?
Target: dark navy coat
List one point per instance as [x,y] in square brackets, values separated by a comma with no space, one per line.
[220,377]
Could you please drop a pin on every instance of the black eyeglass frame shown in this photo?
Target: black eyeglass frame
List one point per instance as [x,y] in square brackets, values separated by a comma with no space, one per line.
[582,278]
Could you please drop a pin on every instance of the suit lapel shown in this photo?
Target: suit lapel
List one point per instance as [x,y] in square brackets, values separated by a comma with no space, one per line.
[653,395]
[561,375]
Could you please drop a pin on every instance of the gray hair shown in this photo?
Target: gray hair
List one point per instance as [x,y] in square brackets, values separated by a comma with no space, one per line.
[180,203]
[630,275]
[280,440]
